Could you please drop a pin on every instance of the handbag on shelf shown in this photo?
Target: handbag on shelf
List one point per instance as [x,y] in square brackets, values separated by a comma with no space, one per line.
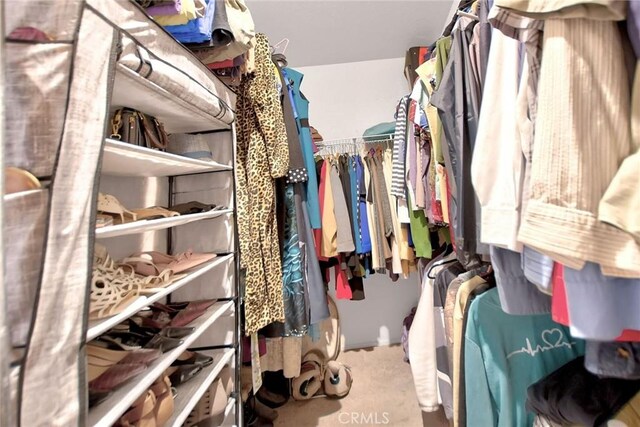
[137,128]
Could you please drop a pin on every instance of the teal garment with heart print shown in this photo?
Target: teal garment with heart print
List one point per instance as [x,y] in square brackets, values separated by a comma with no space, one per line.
[503,355]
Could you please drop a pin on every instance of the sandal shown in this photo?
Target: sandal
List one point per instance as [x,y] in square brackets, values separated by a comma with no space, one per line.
[112,289]
[154,277]
[157,261]
[108,204]
[154,212]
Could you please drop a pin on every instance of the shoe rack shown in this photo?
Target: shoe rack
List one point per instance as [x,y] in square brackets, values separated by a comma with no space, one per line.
[87,58]
[134,174]
[141,177]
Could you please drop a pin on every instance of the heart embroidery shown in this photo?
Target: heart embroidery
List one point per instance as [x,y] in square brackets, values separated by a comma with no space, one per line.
[553,337]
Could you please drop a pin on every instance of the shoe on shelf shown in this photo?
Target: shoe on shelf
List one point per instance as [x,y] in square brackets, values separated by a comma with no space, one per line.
[109,369]
[193,358]
[192,207]
[112,288]
[164,344]
[103,220]
[97,397]
[134,325]
[153,277]
[183,373]
[114,376]
[154,212]
[17,180]
[211,406]
[108,204]
[164,400]
[161,316]
[153,262]
[191,312]
[99,353]
[141,413]
[133,340]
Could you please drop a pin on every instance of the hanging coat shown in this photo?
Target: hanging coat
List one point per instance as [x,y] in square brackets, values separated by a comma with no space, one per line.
[262,156]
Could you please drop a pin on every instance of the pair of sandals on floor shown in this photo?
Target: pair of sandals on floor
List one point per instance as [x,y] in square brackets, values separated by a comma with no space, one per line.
[316,374]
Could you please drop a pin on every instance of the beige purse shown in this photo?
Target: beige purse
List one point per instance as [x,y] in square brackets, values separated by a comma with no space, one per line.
[244,35]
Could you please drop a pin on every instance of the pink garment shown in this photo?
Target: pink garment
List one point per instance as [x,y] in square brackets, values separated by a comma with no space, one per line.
[343,290]
[559,306]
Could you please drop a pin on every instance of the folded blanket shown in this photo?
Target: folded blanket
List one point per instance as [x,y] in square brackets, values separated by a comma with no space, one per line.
[187,13]
[195,31]
[174,8]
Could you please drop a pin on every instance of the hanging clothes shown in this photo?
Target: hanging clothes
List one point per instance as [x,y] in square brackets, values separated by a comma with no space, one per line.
[302,107]
[293,277]
[262,156]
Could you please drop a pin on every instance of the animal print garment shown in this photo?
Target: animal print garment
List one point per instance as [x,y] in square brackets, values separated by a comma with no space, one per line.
[262,156]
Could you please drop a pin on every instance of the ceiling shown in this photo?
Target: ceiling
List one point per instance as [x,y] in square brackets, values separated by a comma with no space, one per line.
[338,31]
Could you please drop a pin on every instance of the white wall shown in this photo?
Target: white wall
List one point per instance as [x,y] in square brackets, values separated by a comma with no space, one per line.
[346,99]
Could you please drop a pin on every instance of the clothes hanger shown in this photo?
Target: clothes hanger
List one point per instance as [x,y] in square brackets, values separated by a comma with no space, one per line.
[448,251]
[467,15]
[276,46]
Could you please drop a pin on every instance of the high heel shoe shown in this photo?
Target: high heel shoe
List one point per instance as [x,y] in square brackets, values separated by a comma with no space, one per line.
[108,204]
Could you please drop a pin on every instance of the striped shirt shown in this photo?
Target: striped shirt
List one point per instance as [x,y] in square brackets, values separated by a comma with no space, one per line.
[399,150]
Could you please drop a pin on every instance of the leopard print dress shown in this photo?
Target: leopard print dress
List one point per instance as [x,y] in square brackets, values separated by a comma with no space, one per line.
[262,156]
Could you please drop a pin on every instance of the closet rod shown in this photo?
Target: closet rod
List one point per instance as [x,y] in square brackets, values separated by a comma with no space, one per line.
[367,138]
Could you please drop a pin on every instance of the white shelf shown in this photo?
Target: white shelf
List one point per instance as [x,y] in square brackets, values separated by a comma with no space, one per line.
[229,408]
[124,159]
[109,411]
[143,226]
[190,393]
[176,115]
[98,327]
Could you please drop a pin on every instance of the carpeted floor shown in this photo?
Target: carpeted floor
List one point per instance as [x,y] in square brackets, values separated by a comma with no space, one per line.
[382,394]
